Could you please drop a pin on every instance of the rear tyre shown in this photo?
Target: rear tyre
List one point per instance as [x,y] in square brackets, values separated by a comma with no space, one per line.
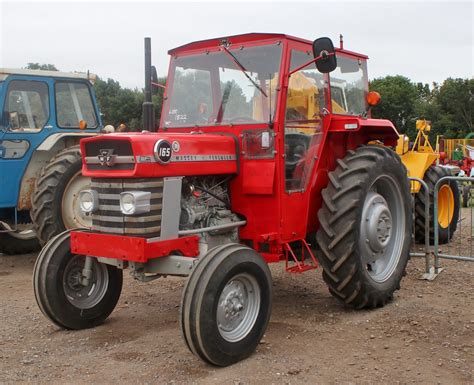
[226,304]
[61,293]
[55,205]
[448,207]
[18,242]
[365,223]
[466,196]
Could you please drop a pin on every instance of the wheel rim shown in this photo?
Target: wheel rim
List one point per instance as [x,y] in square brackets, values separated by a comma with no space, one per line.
[238,307]
[85,296]
[445,205]
[382,228]
[73,216]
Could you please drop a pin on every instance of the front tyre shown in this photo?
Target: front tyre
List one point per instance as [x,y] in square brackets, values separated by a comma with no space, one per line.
[365,223]
[62,293]
[226,304]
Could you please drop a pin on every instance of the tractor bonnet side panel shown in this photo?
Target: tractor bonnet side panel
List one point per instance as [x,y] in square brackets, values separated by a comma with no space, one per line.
[159,155]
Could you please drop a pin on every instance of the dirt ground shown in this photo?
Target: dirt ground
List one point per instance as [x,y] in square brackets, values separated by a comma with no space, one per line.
[425,335]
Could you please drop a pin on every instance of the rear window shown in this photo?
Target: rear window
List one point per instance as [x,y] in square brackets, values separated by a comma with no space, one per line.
[74,103]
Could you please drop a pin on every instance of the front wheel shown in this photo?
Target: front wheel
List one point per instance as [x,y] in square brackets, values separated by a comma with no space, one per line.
[226,304]
[365,223]
[66,294]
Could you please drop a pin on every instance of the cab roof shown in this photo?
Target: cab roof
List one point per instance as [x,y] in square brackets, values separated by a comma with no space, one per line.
[245,38]
[4,72]
[234,39]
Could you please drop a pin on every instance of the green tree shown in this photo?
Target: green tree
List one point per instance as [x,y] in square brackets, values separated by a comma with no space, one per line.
[123,105]
[456,99]
[398,104]
[38,66]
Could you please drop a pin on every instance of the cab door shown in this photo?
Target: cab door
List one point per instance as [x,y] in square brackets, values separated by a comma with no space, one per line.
[26,111]
[305,123]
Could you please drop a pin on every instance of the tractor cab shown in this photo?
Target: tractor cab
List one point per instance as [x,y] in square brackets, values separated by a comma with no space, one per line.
[267,90]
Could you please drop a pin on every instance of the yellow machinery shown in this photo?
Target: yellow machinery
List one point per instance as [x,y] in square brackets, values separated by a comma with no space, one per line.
[421,156]
[302,101]
[420,163]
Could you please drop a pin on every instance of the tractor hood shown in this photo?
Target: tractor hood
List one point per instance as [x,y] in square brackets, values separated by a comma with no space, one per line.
[150,154]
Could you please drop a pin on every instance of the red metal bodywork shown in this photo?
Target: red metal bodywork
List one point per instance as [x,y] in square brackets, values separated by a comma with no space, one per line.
[220,146]
[274,216]
[127,248]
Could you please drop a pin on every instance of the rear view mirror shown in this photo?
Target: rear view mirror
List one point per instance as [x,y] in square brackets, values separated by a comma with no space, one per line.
[323,47]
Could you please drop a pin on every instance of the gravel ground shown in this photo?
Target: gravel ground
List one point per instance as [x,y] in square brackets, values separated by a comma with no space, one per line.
[425,335]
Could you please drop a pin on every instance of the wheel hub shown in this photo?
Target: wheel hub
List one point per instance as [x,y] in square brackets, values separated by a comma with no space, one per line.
[377,223]
[234,305]
[382,228]
[237,308]
[77,293]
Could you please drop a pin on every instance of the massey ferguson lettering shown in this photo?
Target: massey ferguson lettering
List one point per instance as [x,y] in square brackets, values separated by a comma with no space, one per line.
[202,158]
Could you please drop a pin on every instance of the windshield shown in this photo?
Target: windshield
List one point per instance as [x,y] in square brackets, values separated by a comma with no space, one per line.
[74,103]
[213,89]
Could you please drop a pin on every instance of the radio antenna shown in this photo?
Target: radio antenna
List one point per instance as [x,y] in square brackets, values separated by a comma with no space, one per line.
[270,100]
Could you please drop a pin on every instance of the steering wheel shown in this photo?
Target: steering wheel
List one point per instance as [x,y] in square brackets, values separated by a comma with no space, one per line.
[296,148]
[246,119]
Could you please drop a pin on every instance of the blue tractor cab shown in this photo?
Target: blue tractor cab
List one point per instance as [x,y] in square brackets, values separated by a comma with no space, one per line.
[43,115]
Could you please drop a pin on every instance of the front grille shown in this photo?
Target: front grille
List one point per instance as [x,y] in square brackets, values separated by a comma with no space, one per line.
[109,219]
[107,154]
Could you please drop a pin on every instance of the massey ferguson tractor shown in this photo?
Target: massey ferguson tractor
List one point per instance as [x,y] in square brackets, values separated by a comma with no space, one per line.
[246,168]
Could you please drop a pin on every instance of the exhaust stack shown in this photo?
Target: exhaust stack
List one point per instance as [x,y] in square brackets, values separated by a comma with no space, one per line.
[148,108]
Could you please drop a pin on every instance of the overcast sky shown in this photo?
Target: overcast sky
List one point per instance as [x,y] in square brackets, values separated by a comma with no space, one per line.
[425,41]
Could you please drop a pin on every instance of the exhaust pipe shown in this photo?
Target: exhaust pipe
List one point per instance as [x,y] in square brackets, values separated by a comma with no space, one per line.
[148,108]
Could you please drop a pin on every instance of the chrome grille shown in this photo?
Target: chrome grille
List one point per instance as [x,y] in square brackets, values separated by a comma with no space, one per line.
[109,219]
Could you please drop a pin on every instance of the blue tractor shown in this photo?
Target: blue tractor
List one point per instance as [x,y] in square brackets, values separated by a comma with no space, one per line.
[43,116]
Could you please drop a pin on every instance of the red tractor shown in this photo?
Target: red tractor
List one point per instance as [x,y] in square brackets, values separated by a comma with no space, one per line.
[265,152]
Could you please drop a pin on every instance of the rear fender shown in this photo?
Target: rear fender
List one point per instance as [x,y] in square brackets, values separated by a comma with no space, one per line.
[365,130]
[40,158]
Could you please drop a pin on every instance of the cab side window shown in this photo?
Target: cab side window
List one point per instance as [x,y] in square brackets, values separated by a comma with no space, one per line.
[73,104]
[306,99]
[27,105]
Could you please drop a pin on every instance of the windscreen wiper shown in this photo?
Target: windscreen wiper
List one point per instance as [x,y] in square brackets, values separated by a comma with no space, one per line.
[243,69]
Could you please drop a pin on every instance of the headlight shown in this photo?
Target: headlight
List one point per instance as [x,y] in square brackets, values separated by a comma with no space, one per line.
[135,202]
[88,200]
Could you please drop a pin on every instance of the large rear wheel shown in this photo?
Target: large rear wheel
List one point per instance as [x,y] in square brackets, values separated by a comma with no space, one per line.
[448,206]
[66,293]
[55,202]
[365,223]
[226,304]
